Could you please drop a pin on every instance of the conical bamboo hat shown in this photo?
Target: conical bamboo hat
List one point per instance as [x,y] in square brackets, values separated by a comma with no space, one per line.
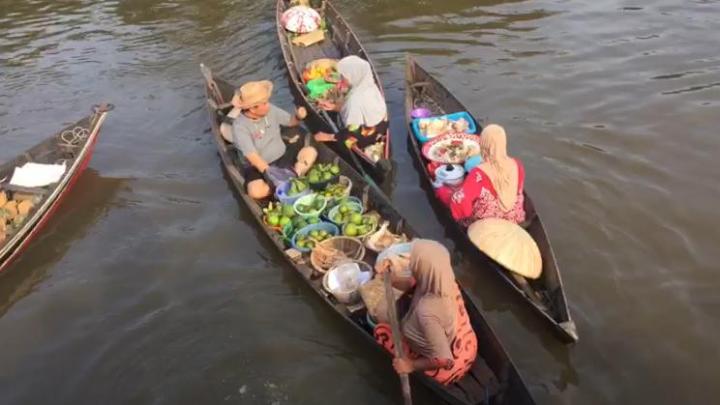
[508,244]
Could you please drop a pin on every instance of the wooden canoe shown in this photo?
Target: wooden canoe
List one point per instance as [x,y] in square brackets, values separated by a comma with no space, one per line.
[491,352]
[340,41]
[421,89]
[74,145]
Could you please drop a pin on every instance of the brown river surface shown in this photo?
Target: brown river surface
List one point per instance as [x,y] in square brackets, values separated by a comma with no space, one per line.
[152,285]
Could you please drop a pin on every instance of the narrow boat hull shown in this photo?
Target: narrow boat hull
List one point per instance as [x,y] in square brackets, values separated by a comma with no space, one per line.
[554,310]
[18,244]
[295,59]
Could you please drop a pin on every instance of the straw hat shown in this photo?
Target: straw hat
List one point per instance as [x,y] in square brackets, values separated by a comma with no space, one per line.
[252,94]
[508,244]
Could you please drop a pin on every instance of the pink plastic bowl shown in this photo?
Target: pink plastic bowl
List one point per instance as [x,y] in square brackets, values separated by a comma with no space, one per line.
[420,113]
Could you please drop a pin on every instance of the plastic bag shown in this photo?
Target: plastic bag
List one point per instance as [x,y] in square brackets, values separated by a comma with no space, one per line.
[348,276]
[278,175]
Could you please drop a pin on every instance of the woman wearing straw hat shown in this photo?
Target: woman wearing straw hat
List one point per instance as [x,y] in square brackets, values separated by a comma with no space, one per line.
[256,134]
[436,328]
[492,190]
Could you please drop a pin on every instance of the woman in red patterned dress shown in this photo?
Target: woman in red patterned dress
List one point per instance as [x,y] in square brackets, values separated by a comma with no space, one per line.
[439,339]
[492,190]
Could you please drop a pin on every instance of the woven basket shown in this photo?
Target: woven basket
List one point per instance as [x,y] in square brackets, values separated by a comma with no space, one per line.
[372,294]
[343,247]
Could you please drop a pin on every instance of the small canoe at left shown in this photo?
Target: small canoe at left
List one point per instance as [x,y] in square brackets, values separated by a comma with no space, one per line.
[74,146]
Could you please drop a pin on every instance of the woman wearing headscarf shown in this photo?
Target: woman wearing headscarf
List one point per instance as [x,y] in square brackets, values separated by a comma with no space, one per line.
[439,339]
[364,112]
[492,190]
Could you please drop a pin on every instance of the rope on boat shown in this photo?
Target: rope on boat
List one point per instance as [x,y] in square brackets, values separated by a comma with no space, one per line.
[71,138]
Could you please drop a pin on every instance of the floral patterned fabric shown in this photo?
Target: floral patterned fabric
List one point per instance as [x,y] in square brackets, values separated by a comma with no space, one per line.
[477,199]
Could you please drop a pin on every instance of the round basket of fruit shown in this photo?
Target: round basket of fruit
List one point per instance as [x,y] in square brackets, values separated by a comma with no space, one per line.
[322,174]
[345,211]
[289,192]
[306,238]
[335,202]
[360,225]
[299,222]
[310,205]
[337,190]
[278,215]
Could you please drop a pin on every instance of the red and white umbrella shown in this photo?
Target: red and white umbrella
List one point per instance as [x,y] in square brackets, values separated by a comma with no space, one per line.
[300,19]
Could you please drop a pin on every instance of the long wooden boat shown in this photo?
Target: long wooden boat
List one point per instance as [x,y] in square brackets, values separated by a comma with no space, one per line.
[340,41]
[468,390]
[421,89]
[74,145]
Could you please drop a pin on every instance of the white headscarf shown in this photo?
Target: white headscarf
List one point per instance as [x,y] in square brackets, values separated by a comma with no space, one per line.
[364,104]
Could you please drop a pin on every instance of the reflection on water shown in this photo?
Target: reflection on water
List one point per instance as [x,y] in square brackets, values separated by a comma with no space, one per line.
[86,206]
[159,288]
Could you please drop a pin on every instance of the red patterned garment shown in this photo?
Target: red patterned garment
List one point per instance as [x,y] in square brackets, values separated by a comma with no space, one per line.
[464,346]
[477,199]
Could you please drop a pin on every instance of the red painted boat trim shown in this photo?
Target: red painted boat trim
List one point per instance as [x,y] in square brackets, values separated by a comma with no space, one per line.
[32,234]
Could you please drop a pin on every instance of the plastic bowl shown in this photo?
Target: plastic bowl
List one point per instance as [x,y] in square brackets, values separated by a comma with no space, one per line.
[351,296]
[332,203]
[332,229]
[281,194]
[321,185]
[306,199]
[420,113]
[354,206]
[347,183]
[472,128]
[373,228]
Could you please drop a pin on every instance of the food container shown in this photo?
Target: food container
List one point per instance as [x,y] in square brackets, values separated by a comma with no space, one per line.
[321,226]
[415,124]
[332,203]
[321,185]
[451,148]
[420,112]
[347,183]
[281,193]
[307,200]
[344,280]
[450,175]
[354,207]
[371,229]
[331,251]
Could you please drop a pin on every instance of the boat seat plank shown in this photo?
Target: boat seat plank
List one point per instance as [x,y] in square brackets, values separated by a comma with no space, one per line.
[313,52]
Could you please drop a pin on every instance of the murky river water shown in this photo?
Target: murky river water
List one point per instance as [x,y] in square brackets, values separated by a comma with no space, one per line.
[153,285]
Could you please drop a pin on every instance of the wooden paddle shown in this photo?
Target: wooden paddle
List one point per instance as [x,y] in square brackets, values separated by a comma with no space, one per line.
[397,337]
